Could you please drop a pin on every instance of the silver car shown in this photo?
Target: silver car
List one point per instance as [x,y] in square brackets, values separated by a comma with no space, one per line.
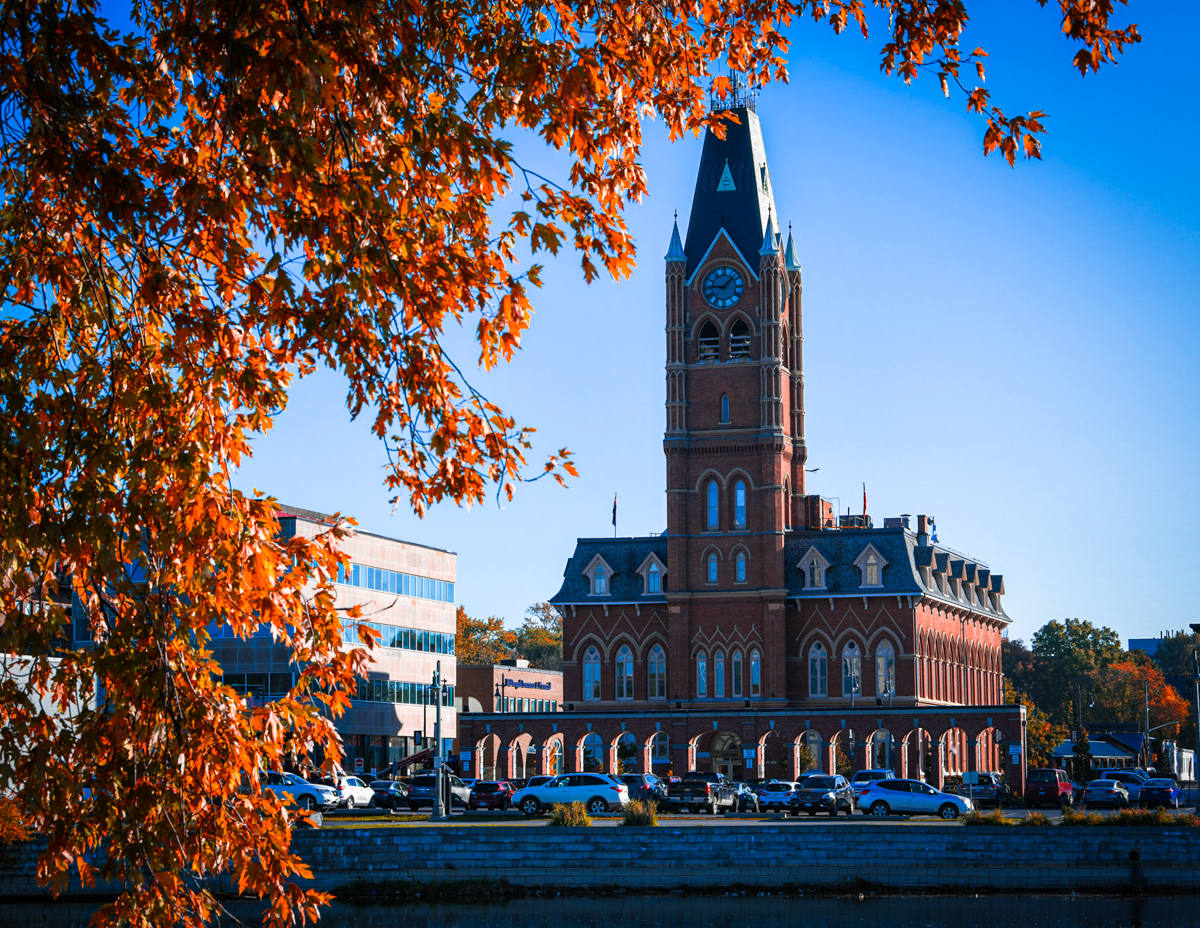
[1106,793]
[911,797]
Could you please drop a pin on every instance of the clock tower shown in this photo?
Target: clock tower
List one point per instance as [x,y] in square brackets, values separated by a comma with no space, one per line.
[734,438]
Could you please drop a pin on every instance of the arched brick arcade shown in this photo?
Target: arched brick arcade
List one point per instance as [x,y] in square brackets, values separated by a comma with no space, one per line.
[922,743]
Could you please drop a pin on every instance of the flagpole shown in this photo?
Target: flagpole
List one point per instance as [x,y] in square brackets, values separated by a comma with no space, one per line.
[614,515]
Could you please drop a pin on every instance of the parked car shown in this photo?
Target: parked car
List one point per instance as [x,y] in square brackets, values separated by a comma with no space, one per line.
[422,789]
[747,799]
[1160,793]
[1106,793]
[598,791]
[306,795]
[1132,780]
[862,777]
[776,795]
[991,790]
[702,790]
[826,793]
[354,793]
[1048,787]
[389,793]
[487,794]
[912,797]
[645,786]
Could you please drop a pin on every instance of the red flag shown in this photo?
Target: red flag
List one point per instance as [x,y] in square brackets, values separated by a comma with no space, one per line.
[864,500]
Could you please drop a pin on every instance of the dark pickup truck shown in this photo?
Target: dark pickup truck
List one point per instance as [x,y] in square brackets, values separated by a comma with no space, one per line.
[698,791]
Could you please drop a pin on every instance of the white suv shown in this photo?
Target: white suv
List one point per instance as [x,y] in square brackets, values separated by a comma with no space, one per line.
[863,778]
[598,791]
[306,795]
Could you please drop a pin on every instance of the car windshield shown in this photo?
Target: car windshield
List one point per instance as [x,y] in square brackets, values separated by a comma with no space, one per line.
[1103,784]
[1042,776]
[424,781]
[820,783]
[382,784]
[294,780]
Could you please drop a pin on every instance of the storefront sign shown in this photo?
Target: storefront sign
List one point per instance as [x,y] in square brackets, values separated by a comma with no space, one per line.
[526,684]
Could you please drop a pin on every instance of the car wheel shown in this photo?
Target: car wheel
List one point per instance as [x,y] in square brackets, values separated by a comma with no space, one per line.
[834,811]
[880,809]
[372,804]
[350,803]
[596,805]
[530,806]
[306,803]
[948,812]
[412,807]
[812,814]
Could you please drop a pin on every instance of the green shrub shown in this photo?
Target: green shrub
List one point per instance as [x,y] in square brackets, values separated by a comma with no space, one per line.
[1035,820]
[1153,818]
[1071,817]
[639,812]
[569,813]
[995,817]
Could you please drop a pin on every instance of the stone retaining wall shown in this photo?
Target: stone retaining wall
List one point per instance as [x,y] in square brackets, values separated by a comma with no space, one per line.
[815,856]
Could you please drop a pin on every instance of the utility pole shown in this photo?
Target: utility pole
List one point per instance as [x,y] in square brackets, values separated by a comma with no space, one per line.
[1146,746]
[439,811]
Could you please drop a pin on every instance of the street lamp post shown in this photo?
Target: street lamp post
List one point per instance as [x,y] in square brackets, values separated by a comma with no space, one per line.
[500,688]
[438,688]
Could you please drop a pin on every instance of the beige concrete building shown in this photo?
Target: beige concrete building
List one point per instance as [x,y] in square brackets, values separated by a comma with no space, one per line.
[406,592]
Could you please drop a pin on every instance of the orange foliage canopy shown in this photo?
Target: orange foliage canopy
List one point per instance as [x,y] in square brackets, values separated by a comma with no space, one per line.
[198,211]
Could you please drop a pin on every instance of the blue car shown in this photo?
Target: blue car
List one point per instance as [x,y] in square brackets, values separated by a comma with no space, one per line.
[1160,793]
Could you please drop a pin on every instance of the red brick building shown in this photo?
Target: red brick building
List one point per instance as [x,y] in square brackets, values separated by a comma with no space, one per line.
[760,624]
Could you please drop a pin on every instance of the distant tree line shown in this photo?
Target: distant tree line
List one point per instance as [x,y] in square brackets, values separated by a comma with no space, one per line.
[487,641]
[1074,675]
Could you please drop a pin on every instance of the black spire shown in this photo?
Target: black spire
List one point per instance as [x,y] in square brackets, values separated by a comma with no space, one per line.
[733,191]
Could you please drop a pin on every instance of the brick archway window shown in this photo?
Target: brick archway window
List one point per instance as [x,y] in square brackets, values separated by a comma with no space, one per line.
[739,341]
[712,568]
[885,670]
[719,675]
[740,567]
[624,673]
[737,673]
[714,506]
[818,671]
[591,674]
[739,504]
[656,676]
[710,343]
[755,673]
[701,675]
[724,407]
[851,670]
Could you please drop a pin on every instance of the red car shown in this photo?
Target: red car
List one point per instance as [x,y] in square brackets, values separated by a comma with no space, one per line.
[496,794]
[1050,787]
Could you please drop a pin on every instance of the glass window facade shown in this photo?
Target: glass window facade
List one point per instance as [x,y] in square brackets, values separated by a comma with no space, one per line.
[392,581]
[396,636]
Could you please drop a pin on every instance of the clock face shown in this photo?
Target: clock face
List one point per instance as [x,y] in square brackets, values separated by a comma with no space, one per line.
[723,287]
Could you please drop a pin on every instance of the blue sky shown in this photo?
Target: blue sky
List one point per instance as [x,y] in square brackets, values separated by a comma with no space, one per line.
[1011,350]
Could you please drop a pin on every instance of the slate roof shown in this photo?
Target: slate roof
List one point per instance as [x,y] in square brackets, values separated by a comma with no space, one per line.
[624,556]
[840,549]
[1098,749]
[742,212]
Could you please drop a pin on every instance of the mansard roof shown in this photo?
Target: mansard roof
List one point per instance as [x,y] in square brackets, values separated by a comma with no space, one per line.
[624,556]
[733,190]
[901,576]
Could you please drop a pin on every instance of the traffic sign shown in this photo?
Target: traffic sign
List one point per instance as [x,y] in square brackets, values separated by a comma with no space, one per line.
[748,753]
[358,765]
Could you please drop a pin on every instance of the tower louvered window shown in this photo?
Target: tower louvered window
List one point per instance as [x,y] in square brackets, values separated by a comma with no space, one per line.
[710,343]
[739,341]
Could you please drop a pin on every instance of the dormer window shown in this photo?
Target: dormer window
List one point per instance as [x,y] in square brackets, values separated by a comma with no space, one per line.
[653,573]
[710,343]
[724,407]
[599,574]
[871,564]
[813,567]
[739,341]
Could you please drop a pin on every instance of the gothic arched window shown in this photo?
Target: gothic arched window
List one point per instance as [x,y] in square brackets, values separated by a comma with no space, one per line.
[624,673]
[701,675]
[591,674]
[712,568]
[851,670]
[739,341]
[740,567]
[737,673]
[739,504]
[714,506]
[725,407]
[885,670]
[660,748]
[656,674]
[818,671]
[755,673]
[710,343]
[719,675]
